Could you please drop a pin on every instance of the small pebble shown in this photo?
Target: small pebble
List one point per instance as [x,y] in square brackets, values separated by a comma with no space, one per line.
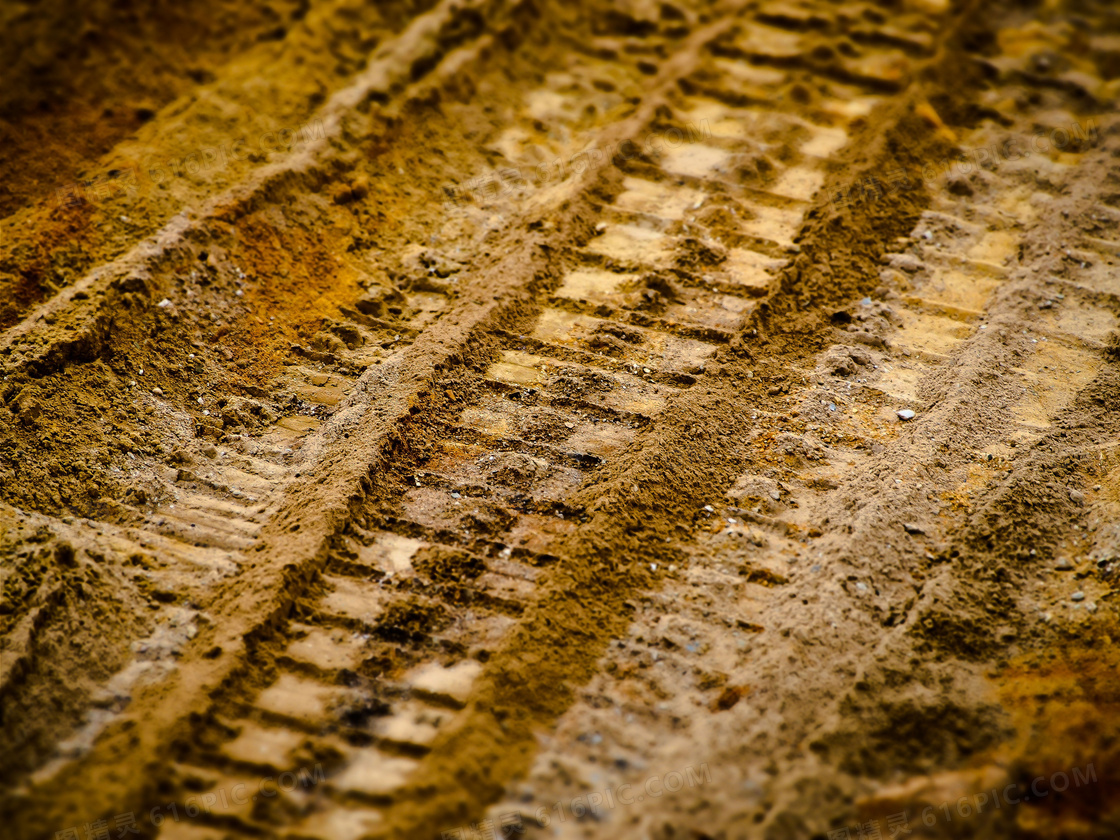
[905,414]
[1076,496]
[1078,595]
[158,392]
[164,303]
[775,495]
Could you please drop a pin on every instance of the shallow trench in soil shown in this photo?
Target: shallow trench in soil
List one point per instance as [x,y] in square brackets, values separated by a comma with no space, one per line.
[517,418]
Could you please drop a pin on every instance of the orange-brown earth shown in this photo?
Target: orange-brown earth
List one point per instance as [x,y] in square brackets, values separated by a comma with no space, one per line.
[488,418]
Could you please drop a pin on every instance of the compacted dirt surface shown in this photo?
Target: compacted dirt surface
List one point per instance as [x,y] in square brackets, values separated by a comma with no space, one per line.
[521,418]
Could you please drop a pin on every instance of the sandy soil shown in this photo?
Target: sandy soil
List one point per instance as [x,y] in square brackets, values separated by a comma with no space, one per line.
[485,418]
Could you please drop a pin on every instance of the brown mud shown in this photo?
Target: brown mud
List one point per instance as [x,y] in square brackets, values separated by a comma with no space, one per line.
[551,401]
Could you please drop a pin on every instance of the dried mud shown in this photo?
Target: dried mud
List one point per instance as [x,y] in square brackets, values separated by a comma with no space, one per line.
[519,418]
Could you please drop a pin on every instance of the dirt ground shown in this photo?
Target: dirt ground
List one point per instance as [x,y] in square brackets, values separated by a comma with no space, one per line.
[519,418]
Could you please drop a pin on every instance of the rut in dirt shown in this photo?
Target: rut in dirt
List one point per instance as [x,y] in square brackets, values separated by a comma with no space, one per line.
[573,398]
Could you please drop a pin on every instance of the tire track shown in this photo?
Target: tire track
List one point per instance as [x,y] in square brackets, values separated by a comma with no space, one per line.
[432,577]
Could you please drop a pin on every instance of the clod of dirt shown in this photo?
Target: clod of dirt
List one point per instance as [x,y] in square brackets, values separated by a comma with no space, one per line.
[727,698]
[801,447]
[519,470]
[444,565]
[382,302]
[695,254]
[756,491]
[843,360]
[410,621]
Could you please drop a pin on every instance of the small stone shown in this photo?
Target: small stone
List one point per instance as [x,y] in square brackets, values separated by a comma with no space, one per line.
[163,304]
[1064,565]
[1090,606]
[775,495]
[1077,497]
[158,392]
[1078,595]
[912,528]
[709,508]
[905,414]
[832,406]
